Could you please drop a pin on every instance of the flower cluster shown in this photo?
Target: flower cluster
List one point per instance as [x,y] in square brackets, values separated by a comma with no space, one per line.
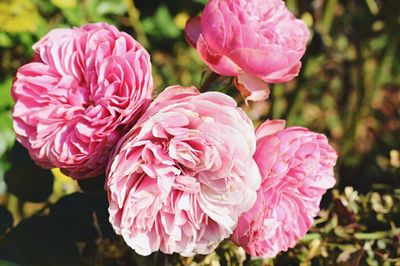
[188,169]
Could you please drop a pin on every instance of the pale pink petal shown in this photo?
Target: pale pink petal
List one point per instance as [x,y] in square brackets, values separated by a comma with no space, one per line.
[270,127]
[252,88]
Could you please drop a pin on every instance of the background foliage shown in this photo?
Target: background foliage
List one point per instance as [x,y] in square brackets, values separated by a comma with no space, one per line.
[348,89]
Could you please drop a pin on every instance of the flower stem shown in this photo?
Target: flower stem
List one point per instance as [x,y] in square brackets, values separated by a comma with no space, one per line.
[134,17]
[209,80]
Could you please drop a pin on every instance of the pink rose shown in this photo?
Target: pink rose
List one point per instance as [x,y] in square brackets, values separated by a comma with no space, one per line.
[179,180]
[296,167]
[256,41]
[74,102]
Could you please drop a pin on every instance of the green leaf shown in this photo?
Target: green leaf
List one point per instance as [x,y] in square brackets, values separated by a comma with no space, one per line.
[110,7]
[8,263]
[39,241]
[5,41]
[25,179]
[18,16]
[65,4]
[7,135]
[5,91]
[75,16]
[6,220]
[74,213]
[161,25]
[201,1]
[98,9]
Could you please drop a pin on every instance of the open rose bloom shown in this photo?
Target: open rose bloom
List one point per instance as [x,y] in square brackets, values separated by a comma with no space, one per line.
[256,41]
[76,99]
[179,180]
[296,167]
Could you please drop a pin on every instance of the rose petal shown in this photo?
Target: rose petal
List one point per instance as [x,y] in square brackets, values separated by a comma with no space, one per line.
[193,30]
[251,87]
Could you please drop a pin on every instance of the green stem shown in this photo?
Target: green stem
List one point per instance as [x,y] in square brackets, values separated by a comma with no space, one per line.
[329,15]
[209,80]
[134,17]
[377,235]
[13,206]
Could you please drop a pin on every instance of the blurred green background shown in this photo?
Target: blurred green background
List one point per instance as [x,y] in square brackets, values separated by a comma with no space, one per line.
[348,89]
